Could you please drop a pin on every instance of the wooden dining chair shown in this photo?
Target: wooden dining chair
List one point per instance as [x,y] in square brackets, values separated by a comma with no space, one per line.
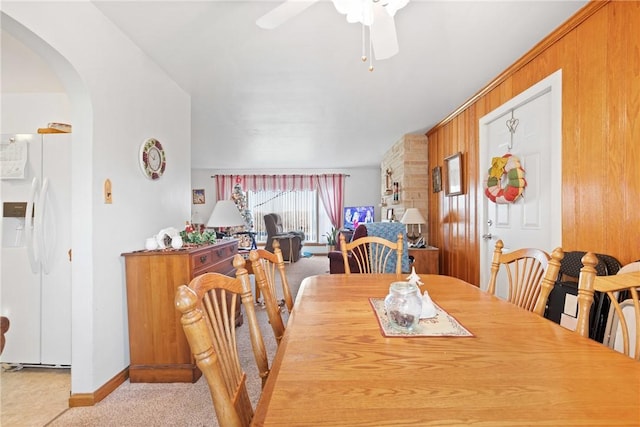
[531,274]
[208,307]
[613,334]
[623,326]
[372,254]
[268,269]
[586,291]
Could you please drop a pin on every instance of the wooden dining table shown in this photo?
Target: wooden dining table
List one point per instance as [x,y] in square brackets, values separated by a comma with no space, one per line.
[335,367]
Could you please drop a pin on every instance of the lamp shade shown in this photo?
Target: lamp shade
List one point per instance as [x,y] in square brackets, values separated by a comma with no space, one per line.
[225,214]
[412,216]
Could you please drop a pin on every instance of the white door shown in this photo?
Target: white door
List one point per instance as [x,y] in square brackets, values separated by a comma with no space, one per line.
[533,220]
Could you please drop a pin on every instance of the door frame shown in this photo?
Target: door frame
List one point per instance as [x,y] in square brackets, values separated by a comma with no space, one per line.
[551,84]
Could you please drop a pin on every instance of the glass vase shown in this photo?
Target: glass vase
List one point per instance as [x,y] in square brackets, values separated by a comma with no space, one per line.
[403,305]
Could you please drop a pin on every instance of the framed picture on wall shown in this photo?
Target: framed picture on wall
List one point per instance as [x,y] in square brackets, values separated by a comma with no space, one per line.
[453,175]
[198,196]
[436,179]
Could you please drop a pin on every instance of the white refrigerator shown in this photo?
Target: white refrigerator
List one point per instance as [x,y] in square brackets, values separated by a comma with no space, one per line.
[36,241]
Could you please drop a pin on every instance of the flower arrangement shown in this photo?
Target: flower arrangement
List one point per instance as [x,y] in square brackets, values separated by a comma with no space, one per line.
[193,235]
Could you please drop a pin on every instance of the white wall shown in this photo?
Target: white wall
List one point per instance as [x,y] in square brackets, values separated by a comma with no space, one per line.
[26,112]
[118,98]
[363,188]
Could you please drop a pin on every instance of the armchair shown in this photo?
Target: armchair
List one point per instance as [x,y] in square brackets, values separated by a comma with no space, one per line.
[336,263]
[290,241]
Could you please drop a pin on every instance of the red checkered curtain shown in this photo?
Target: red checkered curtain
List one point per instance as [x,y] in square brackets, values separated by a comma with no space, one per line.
[331,191]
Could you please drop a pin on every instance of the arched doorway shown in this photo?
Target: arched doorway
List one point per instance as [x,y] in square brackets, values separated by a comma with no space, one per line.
[80,111]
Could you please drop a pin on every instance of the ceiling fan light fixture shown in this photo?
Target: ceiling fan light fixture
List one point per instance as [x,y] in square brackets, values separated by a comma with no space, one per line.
[382,36]
[369,12]
[355,10]
[362,10]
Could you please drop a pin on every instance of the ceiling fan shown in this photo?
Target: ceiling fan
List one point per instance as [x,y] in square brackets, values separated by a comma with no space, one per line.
[376,15]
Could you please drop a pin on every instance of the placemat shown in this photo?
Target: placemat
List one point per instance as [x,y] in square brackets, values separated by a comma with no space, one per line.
[442,325]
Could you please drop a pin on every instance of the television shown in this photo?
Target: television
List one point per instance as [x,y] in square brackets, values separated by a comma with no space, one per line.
[354,215]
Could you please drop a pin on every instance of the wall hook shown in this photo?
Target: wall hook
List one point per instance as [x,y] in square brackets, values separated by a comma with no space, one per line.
[512,124]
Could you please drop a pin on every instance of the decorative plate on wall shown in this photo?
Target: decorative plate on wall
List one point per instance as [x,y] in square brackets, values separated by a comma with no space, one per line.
[152,158]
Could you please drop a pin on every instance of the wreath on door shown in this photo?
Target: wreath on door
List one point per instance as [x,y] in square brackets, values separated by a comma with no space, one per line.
[507,171]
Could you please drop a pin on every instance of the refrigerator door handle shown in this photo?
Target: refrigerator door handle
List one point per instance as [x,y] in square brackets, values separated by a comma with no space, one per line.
[39,227]
[32,251]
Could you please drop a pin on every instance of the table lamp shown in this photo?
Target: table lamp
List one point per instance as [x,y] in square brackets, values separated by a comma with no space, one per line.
[411,217]
[225,214]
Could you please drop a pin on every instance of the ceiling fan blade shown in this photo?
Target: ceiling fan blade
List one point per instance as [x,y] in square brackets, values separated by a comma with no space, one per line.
[383,33]
[283,13]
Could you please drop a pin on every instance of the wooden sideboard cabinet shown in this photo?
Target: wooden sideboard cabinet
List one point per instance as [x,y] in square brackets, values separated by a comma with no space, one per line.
[426,260]
[158,348]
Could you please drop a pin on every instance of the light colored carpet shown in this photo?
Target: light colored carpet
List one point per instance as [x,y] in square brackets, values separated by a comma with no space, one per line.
[180,404]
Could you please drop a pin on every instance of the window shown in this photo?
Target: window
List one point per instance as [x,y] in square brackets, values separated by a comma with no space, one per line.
[299,210]
[307,203]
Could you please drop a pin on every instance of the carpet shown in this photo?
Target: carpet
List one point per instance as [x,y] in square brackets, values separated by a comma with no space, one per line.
[185,404]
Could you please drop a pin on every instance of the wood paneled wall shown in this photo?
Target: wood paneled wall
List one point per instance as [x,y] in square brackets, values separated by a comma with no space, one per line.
[598,50]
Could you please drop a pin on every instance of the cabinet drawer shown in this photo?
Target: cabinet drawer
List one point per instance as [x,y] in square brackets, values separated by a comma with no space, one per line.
[201,260]
[227,251]
[210,259]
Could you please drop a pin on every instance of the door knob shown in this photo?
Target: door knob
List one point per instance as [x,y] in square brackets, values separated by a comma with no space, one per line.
[487,236]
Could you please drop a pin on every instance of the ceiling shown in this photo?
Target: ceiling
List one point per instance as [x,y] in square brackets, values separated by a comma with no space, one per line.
[299,96]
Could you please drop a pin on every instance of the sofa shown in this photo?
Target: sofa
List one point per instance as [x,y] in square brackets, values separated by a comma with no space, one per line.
[290,241]
[386,230]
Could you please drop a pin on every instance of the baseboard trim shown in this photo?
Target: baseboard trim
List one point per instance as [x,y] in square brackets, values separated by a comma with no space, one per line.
[90,399]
